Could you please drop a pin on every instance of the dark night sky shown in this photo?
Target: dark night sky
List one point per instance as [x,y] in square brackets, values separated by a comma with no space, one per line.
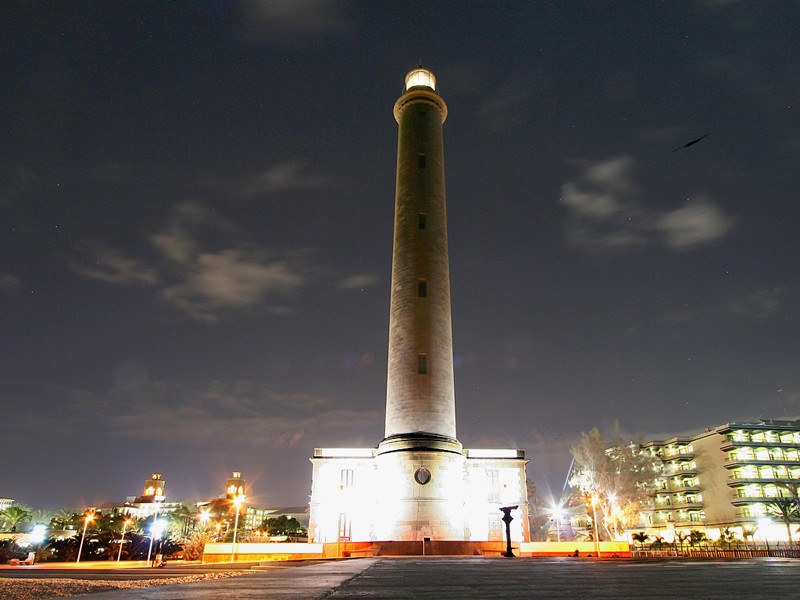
[196,203]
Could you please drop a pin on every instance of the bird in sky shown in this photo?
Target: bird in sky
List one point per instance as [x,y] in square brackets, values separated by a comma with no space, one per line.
[692,143]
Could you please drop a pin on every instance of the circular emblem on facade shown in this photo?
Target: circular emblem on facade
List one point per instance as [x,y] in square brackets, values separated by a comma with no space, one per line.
[422,476]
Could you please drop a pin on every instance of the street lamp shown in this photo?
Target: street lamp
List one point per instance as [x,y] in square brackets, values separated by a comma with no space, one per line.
[594,520]
[557,510]
[122,539]
[237,501]
[205,514]
[89,517]
[156,531]
[155,518]
[37,537]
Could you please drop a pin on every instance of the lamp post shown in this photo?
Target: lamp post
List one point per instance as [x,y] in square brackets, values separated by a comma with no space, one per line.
[155,518]
[507,518]
[204,516]
[37,537]
[237,501]
[557,516]
[122,539]
[157,531]
[89,517]
[594,520]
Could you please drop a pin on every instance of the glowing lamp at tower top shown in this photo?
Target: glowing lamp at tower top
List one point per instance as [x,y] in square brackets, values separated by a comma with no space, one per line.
[421,78]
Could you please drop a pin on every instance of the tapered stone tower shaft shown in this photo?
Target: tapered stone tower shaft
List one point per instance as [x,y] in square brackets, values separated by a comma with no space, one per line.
[420,395]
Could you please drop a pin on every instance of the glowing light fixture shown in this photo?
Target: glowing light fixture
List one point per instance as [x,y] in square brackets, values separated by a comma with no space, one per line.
[421,78]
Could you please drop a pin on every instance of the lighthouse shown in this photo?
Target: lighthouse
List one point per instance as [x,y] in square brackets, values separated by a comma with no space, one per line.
[420,392]
[419,483]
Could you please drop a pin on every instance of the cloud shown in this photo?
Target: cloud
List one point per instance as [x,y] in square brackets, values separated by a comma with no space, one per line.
[606,212]
[9,282]
[281,177]
[113,267]
[268,21]
[232,278]
[243,413]
[16,181]
[203,268]
[504,108]
[760,304]
[355,282]
[699,222]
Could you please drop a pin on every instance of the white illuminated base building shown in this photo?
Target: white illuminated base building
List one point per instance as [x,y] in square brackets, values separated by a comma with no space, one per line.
[361,495]
[419,483]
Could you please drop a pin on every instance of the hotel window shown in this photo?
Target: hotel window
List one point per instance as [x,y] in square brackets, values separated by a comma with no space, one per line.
[423,221]
[422,364]
[421,161]
[422,288]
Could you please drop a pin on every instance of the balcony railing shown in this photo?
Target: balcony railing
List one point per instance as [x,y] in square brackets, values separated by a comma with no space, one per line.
[738,479]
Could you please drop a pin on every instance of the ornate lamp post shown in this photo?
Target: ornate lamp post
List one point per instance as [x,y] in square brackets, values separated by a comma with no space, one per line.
[507,518]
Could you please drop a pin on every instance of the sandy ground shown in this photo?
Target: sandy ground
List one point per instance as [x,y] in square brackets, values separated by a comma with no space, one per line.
[40,589]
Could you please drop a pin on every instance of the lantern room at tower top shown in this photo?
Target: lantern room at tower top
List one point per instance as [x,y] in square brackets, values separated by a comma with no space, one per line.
[419,483]
[420,78]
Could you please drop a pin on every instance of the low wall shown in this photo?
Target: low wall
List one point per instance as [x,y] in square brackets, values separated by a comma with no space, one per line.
[607,549]
[262,552]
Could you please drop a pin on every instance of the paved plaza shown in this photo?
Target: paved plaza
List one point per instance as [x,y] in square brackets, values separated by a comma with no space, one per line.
[462,578]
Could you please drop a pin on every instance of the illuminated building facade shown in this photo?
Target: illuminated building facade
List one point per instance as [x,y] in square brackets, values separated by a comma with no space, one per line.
[724,478]
[419,482]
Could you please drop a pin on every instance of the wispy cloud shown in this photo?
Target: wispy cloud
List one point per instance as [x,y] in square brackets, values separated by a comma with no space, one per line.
[355,282]
[606,211]
[203,268]
[9,281]
[280,177]
[760,304]
[205,281]
[16,181]
[244,413]
[107,264]
[698,222]
[271,21]
[231,278]
[505,107]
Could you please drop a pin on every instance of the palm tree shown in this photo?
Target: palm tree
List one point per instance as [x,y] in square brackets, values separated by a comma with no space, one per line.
[727,537]
[41,516]
[696,537]
[641,537]
[180,520]
[63,517]
[785,508]
[14,515]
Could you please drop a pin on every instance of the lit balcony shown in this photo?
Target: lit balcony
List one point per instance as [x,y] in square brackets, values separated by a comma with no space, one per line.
[686,505]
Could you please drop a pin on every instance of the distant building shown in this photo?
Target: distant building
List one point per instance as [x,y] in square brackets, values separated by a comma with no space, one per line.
[724,478]
[5,503]
[222,509]
[151,501]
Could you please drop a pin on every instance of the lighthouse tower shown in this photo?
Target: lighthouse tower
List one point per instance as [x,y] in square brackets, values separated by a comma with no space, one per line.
[420,393]
[419,483]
